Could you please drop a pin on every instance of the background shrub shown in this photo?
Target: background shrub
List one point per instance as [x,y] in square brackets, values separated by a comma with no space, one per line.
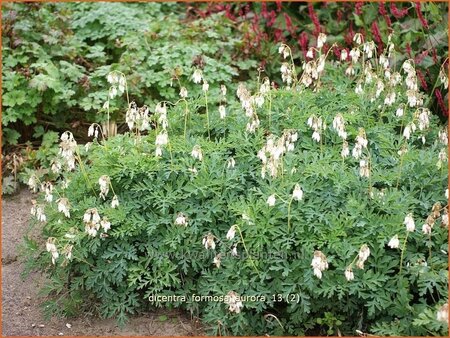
[56,58]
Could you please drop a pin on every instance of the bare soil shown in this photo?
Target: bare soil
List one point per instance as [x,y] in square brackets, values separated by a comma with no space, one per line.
[21,313]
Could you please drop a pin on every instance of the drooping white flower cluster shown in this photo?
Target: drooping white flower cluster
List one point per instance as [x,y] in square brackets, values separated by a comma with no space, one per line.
[400,111]
[233,300]
[339,126]
[443,137]
[442,313]
[183,92]
[249,103]
[205,86]
[369,48]
[253,124]
[208,241]
[297,193]
[389,100]
[316,124]
[271,155]
[414,97]
[64,206]
[380,89]
[217,260]
[93,222]
[344,55]
[361,143]
[445,218]
[313,68]
[37,210]
[284,50]
[51,247]
[287,73]
[245,98]
[118,84]
[432,217]
[394,242]
[230,236]
[104,181]
[358,38]
[391,79]
[354,54]
[319,263]
[67,251]
[115,202]
[56,166]
[364,170]
[345,150]
[197,152]
[93,130]
[410,128]
[33,183]
[443,77]
[222,111]
[137,118]
[311,71]
[181,219]
[67,149]
[162,139]
[271,200]
[442,157]
[223,100]
[47,188]
[231,163]
[197,76]
[321,39]
[348,273]
[231,232]
[423,116]
[363,254]
[409,222]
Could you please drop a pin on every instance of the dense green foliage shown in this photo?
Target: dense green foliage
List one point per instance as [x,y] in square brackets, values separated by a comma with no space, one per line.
[56,57]
[271,183]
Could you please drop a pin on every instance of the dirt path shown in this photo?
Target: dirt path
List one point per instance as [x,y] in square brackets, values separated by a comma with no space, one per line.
[21,314]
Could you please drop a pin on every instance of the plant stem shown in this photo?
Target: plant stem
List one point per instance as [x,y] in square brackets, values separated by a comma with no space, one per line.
[245,248]
[399,171]
[207,116]
[83,170]
[186,111]
[289,214]
[403,252]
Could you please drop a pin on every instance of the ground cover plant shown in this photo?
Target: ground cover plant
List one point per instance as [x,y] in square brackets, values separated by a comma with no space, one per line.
[316,208]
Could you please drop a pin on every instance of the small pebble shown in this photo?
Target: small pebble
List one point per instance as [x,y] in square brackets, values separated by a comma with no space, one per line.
[68,325]
[33,325]
[41,325]
[60,334]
